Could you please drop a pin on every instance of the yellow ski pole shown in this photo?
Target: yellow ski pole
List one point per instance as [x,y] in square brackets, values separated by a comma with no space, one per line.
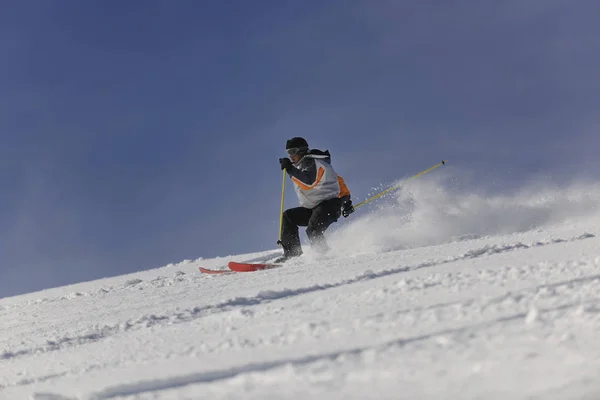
[400,183]
[279,242]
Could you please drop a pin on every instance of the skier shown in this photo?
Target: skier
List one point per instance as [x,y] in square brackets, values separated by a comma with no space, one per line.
[322,193]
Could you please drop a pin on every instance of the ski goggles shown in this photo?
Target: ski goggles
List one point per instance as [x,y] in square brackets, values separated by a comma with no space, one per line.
[297,150]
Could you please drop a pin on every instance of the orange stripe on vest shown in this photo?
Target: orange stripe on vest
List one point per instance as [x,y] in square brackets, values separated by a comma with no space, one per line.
[307,187]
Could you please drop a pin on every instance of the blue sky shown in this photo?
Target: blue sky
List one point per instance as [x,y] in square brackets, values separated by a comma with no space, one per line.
[136,134]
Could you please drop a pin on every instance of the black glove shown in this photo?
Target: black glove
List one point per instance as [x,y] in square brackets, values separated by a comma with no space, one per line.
[285,163]
[347,208]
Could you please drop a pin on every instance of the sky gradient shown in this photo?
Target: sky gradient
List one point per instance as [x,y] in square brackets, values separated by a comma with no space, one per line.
[140,134]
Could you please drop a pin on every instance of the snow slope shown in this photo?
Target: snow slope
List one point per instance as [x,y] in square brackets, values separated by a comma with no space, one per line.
[441,296]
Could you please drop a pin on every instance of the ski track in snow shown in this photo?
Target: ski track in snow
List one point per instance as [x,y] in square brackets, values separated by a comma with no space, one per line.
[146,321]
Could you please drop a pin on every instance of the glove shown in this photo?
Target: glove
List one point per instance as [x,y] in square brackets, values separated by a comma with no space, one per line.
[285,163]
[347,208]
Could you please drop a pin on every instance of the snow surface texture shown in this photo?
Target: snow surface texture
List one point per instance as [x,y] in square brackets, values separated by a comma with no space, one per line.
[439,296]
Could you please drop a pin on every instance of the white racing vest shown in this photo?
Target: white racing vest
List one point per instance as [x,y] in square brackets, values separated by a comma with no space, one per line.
[325,186]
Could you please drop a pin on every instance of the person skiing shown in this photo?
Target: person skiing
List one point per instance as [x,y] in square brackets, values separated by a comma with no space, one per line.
[322,193]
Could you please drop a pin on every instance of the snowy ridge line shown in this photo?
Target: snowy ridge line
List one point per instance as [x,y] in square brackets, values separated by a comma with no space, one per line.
[147,321]
[159,281]
[156,385]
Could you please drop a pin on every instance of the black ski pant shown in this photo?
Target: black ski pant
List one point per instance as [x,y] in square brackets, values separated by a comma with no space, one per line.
[316,220]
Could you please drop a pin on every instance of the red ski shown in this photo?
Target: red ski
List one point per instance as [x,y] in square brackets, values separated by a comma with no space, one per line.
[216,271]
[239,267]
[250,267]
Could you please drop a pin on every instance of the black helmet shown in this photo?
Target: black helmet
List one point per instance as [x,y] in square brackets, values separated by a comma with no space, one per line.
[296,143]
